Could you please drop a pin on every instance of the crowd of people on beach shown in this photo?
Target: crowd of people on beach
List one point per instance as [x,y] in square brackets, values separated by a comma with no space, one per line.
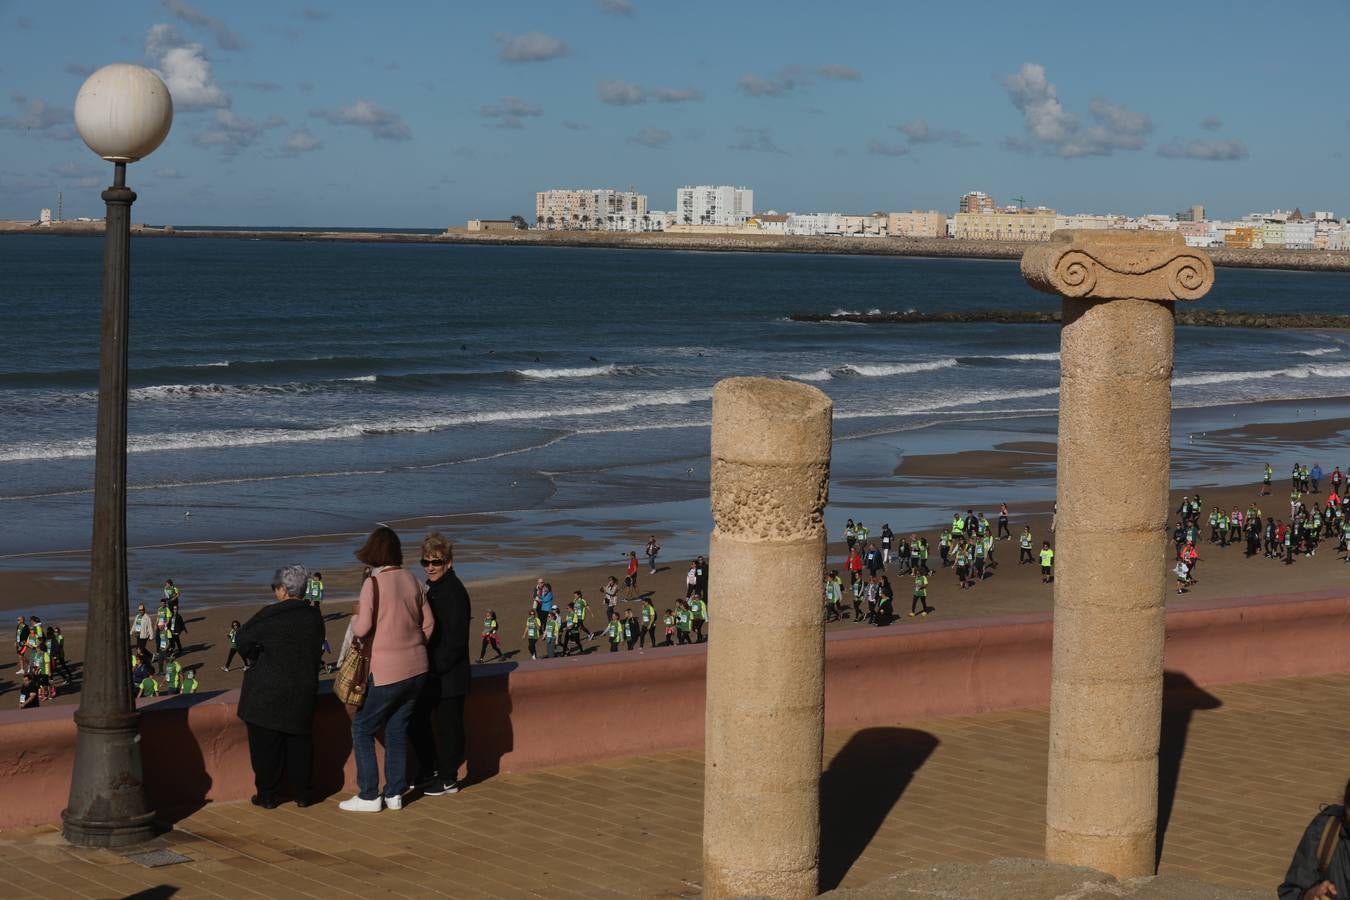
[966,546]
[41,652]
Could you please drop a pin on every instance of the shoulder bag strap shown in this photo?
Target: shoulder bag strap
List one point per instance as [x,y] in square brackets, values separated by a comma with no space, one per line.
[1326,845]
[368,642]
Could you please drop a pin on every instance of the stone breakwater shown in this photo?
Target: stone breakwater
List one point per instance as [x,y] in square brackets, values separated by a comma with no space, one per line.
[1214,318]
[1316,260]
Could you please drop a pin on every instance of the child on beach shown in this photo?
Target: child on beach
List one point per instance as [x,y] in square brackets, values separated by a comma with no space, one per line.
[1047,563]
[670,627]
[630,581]
[614,631]
[1024,546]
[490,637]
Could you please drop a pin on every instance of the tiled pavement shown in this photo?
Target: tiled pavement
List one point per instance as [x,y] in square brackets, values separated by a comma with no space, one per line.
[1256,761]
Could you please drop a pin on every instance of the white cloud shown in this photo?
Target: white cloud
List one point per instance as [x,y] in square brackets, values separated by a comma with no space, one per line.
[1054,129]
[674,95]
[651,137]
[534,46]
[755,140]
[185,69]
[39,119]
[1209,151]
[510,112]
[231,133]
[301,141]
[881,148]
[225,38]
[838,72]
[919,132]
[383,124]
[780,86]
[617,7]
[619,93]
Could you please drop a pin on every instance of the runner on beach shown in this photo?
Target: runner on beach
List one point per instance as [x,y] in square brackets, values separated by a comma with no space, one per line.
[647,618]
[490,629]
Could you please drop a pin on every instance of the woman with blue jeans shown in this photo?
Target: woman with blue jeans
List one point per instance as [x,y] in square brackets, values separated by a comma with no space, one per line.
[393,618]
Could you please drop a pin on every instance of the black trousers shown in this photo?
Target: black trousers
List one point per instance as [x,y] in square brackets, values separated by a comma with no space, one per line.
[436,731]
[274,752]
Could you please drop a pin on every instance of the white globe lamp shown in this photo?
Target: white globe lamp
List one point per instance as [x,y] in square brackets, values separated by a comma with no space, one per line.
[123,112]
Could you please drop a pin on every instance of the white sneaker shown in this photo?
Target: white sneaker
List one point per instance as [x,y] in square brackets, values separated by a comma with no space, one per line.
[395,802]
[356,804]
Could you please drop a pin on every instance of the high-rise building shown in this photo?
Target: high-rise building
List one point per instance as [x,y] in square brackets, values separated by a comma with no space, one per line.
[590,209]
[976,202]
[708,205]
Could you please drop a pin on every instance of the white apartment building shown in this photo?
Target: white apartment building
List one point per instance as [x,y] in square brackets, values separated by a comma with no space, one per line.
[1299,235]
[585,209]
[652,220]
[714,205]
[1339,239]
[814,223]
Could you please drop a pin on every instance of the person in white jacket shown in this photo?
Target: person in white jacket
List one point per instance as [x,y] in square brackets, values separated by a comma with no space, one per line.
[143,629]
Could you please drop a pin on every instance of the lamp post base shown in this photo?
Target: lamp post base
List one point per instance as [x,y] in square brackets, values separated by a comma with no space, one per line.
[107,801]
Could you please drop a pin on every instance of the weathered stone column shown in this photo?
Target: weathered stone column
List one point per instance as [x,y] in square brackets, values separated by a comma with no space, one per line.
[1115,417]
[766,662]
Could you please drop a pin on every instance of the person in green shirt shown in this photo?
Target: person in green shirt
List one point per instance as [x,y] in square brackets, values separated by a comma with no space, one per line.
[630,629]
[551,634]
[1047,563]
[149,687]
[572,630]
[684,621]
[582,606]
[190,683]
[1265,482]
[670,628]
[173,676]
[647,620]
[532,628]
[490,637]
[698,612]
[1024,546]
[614,631]
[314,589]
[919,605]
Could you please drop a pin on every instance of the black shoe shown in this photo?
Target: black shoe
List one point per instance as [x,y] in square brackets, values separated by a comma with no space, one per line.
[265,803]
[304,804]
[438,788]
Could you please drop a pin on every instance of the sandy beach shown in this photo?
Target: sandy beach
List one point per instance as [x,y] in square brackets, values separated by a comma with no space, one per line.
[1010,589]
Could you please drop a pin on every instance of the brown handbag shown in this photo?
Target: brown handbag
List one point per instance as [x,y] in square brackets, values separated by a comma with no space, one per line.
[353,673]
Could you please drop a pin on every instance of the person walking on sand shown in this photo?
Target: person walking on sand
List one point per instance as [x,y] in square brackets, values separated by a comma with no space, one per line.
[611,592]
[21,643]
[551,634]
[233,638]
[1003,533]
[1024,546]
[531,634]
[647,620]
[691,580]
[652,549]
[490,628]
[630,581]
[393,616]
[1047,563]
[698,613]
[143,629]
[582,607]
[1265,481]
[919,605]
[670,627]
[614,631]
[572,630]
[684,621]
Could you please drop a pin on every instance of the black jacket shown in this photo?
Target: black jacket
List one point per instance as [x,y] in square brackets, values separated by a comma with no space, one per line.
[1302,872]
[448,648]
[282,644]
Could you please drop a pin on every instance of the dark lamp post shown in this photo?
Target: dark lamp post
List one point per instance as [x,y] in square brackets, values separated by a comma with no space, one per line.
[123,113]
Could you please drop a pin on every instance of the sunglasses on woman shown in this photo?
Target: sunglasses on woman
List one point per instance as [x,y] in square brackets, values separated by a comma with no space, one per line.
[428,563]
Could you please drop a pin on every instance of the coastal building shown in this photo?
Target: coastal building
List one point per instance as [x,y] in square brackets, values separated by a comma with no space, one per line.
[1007,224]
[585,209]
[45,217]
[916,224]
[813,223]
[976,202]
[492,225]
[1244,237]
[769,223]
[714,205]
[1339,239]
[1273,233]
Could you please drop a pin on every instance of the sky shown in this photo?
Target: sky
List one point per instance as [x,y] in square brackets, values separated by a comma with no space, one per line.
[424,114]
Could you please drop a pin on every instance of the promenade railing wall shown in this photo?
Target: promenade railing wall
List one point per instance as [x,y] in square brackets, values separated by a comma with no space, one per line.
[567,711]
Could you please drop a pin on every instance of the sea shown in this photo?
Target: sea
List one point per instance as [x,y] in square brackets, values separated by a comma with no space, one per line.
[309,388]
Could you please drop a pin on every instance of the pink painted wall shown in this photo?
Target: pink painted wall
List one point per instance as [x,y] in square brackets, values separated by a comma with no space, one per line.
[558,712]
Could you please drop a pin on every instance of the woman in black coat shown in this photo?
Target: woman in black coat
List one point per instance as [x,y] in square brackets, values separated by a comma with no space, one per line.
[437,726]
[282,645]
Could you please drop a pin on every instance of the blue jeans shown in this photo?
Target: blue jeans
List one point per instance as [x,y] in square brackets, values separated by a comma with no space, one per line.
[390,705]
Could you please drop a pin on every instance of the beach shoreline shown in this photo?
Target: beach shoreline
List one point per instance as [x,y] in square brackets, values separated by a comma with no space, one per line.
[933,248]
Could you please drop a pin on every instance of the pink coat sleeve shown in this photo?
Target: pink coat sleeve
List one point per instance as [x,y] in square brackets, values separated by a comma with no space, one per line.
[365,610]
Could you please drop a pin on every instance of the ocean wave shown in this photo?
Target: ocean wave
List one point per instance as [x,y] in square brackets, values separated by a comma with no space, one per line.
[1030,357]
[278,370]
[579,372]
[257,437]
[1305,371]
[881,371]
[817,375]
[1319,351]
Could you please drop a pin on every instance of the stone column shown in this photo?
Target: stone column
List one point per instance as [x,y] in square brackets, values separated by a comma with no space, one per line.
[1115,417]
[766,662]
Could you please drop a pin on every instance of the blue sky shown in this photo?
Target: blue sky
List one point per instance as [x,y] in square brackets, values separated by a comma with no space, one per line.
[424,114]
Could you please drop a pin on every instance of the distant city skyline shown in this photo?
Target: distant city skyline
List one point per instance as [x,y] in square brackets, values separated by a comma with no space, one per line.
[343,114]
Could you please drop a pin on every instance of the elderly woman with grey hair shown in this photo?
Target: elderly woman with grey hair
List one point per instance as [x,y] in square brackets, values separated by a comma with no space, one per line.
[282,645]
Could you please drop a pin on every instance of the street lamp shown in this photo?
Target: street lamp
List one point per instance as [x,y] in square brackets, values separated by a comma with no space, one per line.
[123,113]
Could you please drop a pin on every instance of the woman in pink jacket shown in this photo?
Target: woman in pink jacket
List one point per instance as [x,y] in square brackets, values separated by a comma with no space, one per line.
[395,626]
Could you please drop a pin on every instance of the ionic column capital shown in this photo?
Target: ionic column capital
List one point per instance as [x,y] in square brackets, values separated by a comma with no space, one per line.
[1115,265]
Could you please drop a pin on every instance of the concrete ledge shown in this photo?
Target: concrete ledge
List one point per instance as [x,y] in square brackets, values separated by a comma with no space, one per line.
[565,711]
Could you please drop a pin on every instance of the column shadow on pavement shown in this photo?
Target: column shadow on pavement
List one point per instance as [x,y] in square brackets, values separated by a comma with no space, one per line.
[864,781]
[1182,698]
[488,734]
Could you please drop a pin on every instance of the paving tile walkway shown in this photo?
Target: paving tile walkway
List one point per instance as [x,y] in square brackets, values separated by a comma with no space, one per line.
[1251,764]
